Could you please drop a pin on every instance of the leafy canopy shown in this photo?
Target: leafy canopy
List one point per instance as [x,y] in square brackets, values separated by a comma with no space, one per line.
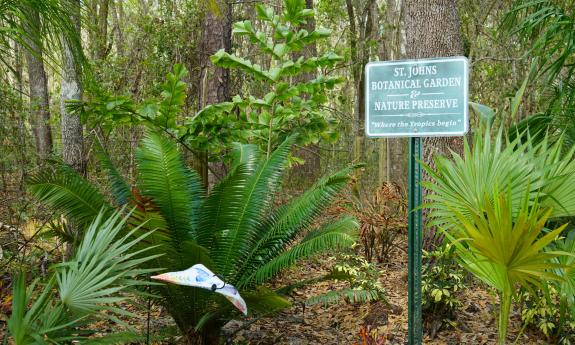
[291,102]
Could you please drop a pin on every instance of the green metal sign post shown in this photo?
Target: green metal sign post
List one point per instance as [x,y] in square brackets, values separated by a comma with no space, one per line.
[414,240]
[415,99]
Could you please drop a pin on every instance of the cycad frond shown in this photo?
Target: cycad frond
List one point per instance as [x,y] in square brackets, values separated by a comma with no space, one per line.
[164,178]
[350,295]
[66,191]
[222,207]
[285,223]
[257,197]
[118,185]
[244,154]
[341,233]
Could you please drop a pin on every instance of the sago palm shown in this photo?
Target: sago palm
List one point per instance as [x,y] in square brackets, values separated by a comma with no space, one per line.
[236,230]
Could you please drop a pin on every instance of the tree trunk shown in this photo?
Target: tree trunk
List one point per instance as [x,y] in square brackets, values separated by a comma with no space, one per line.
[102,29]
[116,10]
[393,48]
[71,89]
[214,81]
[432,30]
[208,337]
[39,101]
[310,171]
[355,68]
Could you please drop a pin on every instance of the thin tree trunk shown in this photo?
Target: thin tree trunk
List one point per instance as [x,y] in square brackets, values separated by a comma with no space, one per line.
[392,48]
[356,67]
[308,172]
[214,81]
[39,99]
[23,147]
[71,89]
[432,30]
[119,33]
[102,37]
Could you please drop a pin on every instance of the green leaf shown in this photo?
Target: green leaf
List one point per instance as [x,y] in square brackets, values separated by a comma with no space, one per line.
[486,115]
[66,191]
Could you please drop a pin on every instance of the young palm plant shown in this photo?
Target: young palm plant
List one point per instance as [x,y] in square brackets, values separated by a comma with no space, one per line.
[502,231]
[506,251]
[236,231]
[543,170]
[103,268]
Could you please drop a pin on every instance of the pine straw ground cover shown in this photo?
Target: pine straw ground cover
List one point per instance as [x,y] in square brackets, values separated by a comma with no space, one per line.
[336,324]
[341,324]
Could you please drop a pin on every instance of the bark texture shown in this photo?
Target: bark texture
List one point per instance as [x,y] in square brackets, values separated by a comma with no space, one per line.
[309,171]
[39,99]
[117,11]
[102,44]
[216,35]
[393,48]
[71,89]
[214,81]
[433,30]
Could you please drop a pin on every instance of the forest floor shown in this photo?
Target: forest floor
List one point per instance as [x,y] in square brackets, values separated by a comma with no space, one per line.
[475,321]
[341,323]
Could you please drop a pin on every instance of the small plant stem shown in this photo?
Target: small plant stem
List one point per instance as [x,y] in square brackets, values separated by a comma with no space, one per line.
[520,333]
[504,310]
[270,130]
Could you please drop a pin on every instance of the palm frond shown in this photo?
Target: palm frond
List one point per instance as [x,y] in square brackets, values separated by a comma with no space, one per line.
[566,287]
[103,266]
[67,192]
[541,169]
[19,25]
[558,169]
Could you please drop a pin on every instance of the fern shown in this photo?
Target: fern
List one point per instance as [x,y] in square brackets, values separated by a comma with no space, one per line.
[349,295]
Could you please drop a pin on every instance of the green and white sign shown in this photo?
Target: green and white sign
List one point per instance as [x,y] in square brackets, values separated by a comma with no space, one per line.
[417,98]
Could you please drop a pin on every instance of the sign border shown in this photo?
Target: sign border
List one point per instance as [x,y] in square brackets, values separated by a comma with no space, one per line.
[420,134]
